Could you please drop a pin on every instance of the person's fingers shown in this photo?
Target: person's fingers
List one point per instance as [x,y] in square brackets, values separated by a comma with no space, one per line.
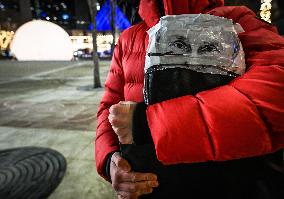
[118,109]
[145,191]
[110,118]
[130,189]
[137,177]
[123,108]
[127,195]
[119,122]
[144,187]
[120,162]
[135,195]
[130,184]
[127,103]
[113,109]
[133,177]
[141,187]
[125,175]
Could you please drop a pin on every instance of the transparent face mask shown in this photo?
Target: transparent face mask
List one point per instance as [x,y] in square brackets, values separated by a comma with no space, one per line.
[199,42]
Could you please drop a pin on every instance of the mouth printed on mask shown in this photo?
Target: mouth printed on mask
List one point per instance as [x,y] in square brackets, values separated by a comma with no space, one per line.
[194,44]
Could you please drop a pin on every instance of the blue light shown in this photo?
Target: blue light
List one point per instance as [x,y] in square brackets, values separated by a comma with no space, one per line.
[91,26]
[65,16]
[43,14]
[104,15]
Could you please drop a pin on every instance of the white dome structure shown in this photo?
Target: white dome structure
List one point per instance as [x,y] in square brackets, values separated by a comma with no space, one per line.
[40,40]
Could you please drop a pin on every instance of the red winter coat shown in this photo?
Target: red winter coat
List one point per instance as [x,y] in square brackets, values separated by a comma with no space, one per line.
[242,119]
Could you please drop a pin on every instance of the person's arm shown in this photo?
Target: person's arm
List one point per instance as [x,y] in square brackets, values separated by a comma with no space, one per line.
[106,140]
[241,119]
[140,130]
[110,165]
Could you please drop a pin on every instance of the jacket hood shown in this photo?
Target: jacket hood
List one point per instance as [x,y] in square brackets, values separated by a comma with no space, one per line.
[149,10]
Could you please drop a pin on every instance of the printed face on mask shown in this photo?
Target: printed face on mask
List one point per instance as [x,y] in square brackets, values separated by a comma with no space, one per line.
[202,43]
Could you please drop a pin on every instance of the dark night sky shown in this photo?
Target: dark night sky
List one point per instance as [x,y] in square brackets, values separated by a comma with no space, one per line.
[77,10]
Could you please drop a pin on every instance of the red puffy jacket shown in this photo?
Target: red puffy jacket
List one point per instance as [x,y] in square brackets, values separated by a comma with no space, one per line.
[242,119]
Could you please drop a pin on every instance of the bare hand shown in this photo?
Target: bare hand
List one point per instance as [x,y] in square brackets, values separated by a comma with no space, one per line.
[128,184]
[120,117]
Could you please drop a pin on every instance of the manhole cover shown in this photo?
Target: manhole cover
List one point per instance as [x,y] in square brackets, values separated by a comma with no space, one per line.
[30,172]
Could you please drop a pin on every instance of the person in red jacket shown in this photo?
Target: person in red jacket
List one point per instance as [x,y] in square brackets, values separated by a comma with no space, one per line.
[253,111]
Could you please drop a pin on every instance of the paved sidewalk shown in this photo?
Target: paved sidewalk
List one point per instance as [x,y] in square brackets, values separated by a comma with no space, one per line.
[52,104]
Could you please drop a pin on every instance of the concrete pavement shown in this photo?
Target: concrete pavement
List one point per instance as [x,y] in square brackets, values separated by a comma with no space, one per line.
[51,104]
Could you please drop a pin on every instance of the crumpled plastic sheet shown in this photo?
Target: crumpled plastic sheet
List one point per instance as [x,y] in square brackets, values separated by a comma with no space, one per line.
[199,42]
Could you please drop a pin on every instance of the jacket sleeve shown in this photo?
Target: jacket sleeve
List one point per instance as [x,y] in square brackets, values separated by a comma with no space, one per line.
[106,140]
[242,119]
[140,130]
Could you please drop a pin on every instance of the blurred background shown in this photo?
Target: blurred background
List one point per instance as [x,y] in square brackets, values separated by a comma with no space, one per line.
[111,19]
[52,73]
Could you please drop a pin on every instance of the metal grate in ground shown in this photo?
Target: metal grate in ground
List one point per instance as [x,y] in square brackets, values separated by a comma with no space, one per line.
[30,172]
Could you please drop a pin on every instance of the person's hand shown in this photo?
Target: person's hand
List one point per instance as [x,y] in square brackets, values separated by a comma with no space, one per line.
[120,118]
[128,184]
